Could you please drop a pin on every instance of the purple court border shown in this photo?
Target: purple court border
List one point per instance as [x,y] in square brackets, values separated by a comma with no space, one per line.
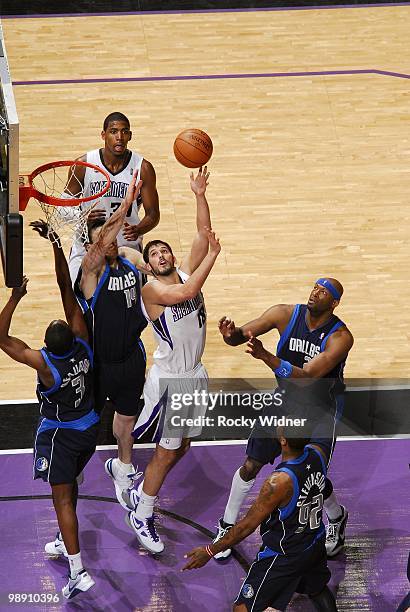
[194,11]
[196,77]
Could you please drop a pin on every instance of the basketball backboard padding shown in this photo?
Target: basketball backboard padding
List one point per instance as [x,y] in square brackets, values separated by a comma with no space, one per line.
[11,237]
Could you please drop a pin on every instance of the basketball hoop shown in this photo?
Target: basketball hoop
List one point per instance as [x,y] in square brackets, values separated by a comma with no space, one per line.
[58,188]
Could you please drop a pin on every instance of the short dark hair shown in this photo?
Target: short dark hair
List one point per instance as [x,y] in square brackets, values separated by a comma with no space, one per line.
[115,117]
[153,243]
[296,437]
[59,338]
[92,226]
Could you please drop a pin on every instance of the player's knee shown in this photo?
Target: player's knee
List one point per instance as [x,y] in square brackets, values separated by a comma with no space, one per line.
[239,608]
[250,469]
[122,425]
[166,456]
[62,496]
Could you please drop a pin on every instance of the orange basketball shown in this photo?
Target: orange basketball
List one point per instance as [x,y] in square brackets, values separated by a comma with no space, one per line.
[193,148]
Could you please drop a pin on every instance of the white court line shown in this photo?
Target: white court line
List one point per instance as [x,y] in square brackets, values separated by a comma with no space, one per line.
[25,451]
[22,401]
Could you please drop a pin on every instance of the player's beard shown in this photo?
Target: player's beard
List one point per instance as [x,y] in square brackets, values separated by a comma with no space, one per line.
[164,271]
[312,309]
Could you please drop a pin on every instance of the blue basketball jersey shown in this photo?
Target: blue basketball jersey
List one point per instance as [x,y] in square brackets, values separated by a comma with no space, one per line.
[298,345]
[298,525]
[71,396]
[113,313]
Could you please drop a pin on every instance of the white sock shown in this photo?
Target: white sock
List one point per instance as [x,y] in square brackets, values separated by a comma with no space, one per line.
[333,508]
[239,490]
[76,565]
[145,508]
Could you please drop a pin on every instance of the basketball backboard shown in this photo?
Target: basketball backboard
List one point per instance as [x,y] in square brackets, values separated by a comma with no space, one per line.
[11,222]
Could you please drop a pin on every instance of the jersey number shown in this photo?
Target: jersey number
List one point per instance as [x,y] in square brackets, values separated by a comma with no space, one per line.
[311,512]
[115,206]
[201,316]
[78,382]
[130,296]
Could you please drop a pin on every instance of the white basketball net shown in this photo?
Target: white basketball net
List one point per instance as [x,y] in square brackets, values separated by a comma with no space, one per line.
[66,223]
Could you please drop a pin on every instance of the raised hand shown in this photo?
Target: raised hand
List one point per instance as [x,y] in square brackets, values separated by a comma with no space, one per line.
[40,227]
[226,327]
[200,182]
[96,213]
[133,190]
[43,229]
[19,292]
[214,246]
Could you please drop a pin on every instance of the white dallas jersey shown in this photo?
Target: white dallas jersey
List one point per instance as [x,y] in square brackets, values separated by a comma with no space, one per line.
[114,196]
[180,332]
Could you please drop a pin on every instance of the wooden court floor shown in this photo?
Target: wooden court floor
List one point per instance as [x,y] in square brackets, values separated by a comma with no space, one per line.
[309,115]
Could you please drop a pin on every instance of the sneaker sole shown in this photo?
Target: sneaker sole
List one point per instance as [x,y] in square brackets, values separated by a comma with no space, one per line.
[223,555]
[77,591]
[335,552]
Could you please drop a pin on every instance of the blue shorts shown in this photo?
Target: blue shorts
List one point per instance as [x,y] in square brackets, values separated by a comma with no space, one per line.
[122,383]
[272,581]
[263,447]
[61,454]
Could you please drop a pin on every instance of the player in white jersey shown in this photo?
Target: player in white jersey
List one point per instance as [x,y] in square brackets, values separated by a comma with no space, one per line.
[120,163]
[175,308]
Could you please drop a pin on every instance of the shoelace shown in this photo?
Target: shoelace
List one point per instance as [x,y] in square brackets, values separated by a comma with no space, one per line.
[331,532]
[151,528]
[134,475]
[222,530]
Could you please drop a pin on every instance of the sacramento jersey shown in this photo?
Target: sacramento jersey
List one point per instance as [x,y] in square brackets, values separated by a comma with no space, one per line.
[112,199]
[71,396]
[299,345]
[295,527]
[180,333]
[114,312]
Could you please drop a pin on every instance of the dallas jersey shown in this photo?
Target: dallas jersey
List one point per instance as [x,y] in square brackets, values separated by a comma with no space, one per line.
[298,345]
[114,312]
[180,332]
[112,199]
[298,525]
[71,396]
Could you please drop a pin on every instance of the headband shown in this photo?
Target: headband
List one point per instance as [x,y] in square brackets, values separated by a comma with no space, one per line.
[324,282]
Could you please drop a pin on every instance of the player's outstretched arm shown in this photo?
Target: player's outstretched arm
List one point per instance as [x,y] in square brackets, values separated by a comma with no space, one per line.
[199,246]
[136,258]
[337,349]
[14,347]
[95,257]
[276,490]
[150,204]
[157,293]
[72,310]
[276,317]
